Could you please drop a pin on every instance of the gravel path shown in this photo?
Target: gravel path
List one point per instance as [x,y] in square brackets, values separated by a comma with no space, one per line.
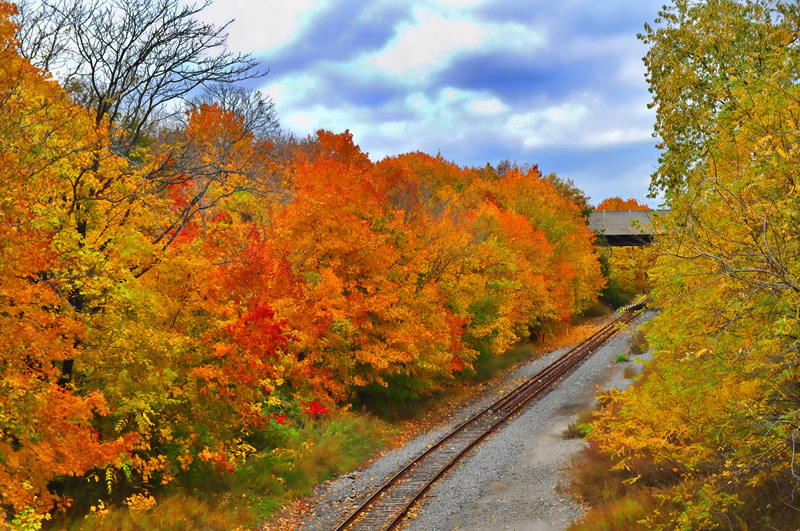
[510,481]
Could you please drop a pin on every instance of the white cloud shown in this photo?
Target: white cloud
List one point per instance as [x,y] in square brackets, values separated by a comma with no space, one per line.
[263,25]
[455,104]
[545,126]
[614,137]
[308,120]
[488,106]
[584,120]
[458,4]
[430,119]
[393,128]
[427,45]
[581,120]
[436,37]
[289,92]
[451,113]
[452,106]
[300,121]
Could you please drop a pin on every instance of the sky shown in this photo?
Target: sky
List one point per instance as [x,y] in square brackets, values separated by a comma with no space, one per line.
[560,84]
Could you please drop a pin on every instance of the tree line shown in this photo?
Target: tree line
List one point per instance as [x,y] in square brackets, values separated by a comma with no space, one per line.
[178,276]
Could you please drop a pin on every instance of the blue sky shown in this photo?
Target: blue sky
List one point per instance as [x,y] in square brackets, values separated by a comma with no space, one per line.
[554,83]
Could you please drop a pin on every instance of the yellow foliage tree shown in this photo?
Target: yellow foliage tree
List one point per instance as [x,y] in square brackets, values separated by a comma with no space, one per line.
[722,403]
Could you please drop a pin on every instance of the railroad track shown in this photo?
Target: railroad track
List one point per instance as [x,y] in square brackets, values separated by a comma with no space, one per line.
[386,507]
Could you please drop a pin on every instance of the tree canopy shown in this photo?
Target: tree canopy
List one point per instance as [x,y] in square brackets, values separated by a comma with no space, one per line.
[617,203]
[166,306]
[720,410]
[130,62]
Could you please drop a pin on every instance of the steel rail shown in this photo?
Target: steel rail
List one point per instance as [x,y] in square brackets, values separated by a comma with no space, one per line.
[484,423]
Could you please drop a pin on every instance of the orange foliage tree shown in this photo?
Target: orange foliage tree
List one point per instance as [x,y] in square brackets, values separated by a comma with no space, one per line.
[47,427]
[112,329]
[156,310]
[617,203]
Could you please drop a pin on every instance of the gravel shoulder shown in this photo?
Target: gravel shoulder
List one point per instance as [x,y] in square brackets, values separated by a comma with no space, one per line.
[509,482]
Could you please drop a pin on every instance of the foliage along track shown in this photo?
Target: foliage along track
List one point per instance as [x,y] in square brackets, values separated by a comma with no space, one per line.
[388,505]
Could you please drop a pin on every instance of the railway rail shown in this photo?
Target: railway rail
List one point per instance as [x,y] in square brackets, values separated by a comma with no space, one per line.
[387,506]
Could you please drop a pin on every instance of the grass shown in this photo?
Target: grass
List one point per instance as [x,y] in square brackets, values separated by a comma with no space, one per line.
[487,367]
[555,335]
[619,506]
[311,452]
[619,515]
[621,358]
[595,481]
[580,427]
[598,309]
[178,512]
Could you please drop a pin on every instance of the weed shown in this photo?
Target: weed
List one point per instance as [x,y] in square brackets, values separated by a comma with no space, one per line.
[639,343]
[599,309]
[580,427]
[621,358]
[619,515]
[488,366]
[178,512]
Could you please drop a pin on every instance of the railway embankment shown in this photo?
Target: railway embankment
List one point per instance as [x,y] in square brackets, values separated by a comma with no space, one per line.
[510,481]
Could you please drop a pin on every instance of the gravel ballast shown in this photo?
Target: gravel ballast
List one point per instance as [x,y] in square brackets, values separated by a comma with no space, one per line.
[510,480]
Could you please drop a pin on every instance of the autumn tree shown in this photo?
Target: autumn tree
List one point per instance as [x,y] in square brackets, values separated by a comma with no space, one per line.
[46,429]
[565,186]
[131,63]
[721,407]
[574,263]
[112,326]
[256,109]
[617,203]
[696,80]
[163,292]
[356,254]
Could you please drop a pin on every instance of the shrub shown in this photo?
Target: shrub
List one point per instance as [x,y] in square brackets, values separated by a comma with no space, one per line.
[639,343]
[580,427]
